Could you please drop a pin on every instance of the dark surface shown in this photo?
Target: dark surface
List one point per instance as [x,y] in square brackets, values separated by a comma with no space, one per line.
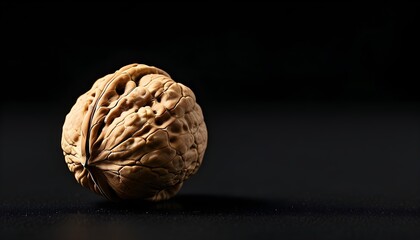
[312,111]
[210,217]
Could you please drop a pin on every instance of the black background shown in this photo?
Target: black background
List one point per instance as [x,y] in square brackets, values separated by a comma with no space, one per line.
[312,111]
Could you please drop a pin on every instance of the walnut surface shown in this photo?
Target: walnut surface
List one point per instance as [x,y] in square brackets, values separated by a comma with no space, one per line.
[136,134]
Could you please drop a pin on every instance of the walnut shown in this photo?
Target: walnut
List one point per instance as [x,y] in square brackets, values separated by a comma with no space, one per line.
[136,134]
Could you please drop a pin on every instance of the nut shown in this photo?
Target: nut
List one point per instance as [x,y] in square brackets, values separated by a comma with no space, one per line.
[136,134]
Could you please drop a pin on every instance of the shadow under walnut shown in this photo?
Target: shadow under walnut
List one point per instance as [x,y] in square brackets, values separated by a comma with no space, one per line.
[136,134]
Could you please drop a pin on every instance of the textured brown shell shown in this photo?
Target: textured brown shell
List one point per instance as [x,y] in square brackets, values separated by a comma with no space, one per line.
[136,134]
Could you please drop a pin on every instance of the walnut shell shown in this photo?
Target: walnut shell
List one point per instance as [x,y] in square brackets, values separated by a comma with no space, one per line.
[136,134]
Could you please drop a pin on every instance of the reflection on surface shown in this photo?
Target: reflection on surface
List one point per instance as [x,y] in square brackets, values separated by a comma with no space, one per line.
[206,204]
[137,219]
